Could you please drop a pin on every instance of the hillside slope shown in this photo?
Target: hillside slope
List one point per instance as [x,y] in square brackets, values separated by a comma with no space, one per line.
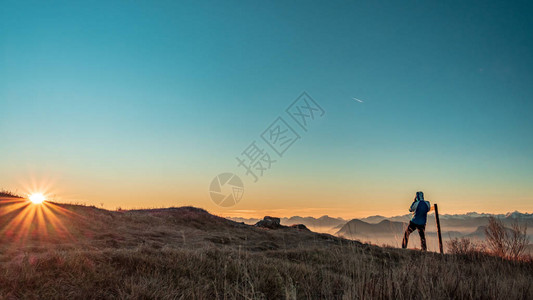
[60,251]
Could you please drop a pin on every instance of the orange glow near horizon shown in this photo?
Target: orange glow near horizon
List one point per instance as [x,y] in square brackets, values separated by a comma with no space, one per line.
[275,197]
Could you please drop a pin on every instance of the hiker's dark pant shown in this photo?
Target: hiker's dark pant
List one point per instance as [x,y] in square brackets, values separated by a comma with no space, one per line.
[421,231]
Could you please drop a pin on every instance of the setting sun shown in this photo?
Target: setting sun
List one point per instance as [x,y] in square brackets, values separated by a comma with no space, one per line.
[37,198]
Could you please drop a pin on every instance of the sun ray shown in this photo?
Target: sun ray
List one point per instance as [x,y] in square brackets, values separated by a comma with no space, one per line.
[60,210]
[41,224]
[12,207]
[57,224]
[35,221]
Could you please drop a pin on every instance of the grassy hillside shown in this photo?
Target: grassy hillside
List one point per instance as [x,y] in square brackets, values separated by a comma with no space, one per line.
[69,251]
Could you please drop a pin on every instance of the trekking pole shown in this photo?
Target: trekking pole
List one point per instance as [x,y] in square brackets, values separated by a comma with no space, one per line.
[438,227]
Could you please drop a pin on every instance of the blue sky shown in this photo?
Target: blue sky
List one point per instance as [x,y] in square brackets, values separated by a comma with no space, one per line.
[115,102]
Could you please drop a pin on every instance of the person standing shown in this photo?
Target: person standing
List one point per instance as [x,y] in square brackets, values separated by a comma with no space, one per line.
[420,207]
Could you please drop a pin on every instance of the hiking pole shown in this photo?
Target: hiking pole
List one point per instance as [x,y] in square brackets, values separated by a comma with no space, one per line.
[438,227]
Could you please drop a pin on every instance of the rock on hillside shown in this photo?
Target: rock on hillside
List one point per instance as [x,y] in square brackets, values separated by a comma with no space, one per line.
[274,223]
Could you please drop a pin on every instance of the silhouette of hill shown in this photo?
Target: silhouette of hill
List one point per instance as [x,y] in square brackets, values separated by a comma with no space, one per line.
[58,250]
[373,219]
[8,194]
[357,228]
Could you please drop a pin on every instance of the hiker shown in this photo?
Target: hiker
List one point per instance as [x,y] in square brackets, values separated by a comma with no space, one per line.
[421,208]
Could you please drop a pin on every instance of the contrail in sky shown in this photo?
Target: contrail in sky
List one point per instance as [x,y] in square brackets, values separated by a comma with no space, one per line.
[358,100]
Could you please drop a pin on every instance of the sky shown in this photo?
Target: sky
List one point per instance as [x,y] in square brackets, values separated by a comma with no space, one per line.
[141,104]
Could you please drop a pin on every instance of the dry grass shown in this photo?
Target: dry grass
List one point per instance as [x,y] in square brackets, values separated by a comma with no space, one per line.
[466,247]
[8,194]
[185,253]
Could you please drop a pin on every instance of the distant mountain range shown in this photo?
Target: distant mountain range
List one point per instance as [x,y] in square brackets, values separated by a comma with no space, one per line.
[324,221]
[327,221]
[470,215]
[470,225]
[357,227]
[322,224]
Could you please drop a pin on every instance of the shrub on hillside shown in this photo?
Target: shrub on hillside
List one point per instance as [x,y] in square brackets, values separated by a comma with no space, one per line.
[505,242]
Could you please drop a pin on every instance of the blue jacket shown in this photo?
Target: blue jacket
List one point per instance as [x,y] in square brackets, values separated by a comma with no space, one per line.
[421,209]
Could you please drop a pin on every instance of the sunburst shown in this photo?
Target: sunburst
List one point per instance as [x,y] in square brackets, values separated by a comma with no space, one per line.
[37,198]
[35,220]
